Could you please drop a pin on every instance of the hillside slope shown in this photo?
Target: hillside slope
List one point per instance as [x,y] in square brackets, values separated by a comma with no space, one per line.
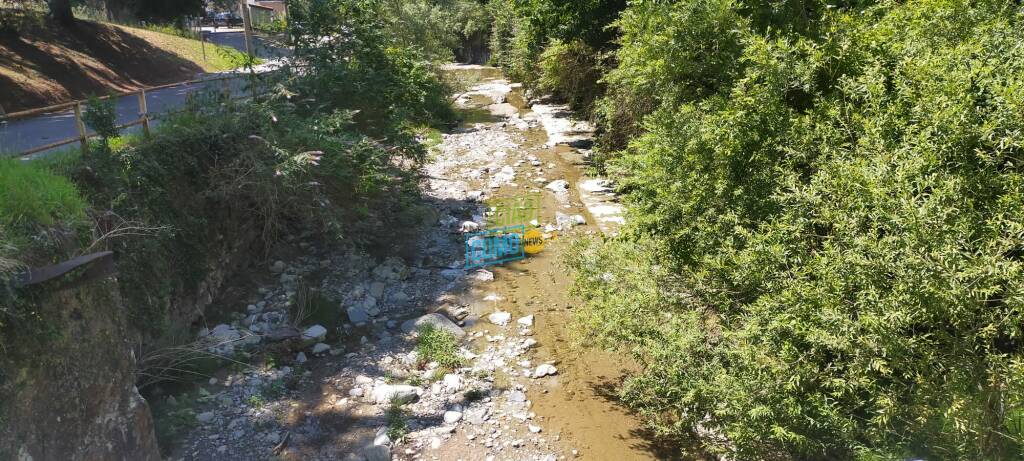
[42,63]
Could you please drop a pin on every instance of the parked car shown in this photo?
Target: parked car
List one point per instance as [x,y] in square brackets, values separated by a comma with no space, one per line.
[227,20]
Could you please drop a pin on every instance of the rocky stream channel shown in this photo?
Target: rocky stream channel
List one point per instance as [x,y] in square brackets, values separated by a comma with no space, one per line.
[525,390]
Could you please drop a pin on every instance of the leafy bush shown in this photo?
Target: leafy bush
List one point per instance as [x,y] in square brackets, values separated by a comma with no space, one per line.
[571,72]
[523,29]
[824,258]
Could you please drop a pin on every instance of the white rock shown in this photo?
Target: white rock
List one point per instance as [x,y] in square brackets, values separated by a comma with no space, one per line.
[300,357]
[545,370]
[451,417]
[320,348]
[377,453]
[500,318]
[526,321]
[559,185]
[435,443]
[437,320]
[483,275]
[361,379]
[356,392]
[452,382]
[316,332]
[534,429]
[530,342]
[386,393]
[470,226]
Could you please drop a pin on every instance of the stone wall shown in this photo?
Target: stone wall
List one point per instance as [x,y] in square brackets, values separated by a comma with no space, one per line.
[68,393]
[71,394]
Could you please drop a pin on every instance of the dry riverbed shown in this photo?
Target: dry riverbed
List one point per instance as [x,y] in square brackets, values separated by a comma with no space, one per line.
[525,390]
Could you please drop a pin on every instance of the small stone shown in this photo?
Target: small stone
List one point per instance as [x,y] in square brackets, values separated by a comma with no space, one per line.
[358,315]
[452,382]
[500,318]
[400,394]
[437,321]
[451,417]
[545,370]
[315,332]
[517,396]
[557,186]
[356,392]
[377,289]
[483,275]
[320,348]
[377,453]
[278,267]
[300,357]
[205,417]
[362,379]
[382,437]
[526,321]
[530,342]
[534,429]
[435,443]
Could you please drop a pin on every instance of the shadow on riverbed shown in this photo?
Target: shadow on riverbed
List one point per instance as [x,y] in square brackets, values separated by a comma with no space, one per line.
[646,439]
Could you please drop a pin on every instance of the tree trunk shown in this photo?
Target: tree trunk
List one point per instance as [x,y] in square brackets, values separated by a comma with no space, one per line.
[60,11]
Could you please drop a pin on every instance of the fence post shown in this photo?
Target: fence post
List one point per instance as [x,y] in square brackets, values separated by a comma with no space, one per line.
[143,112]
[227,89]
[82,136]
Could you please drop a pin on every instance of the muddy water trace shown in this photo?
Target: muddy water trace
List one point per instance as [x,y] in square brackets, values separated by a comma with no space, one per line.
[526,389]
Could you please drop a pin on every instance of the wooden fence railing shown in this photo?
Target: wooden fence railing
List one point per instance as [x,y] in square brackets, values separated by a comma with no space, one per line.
[76,106]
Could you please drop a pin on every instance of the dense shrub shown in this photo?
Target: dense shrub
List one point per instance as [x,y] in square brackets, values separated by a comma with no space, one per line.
[329,147]
[829,205]
[571,72]
[524,29]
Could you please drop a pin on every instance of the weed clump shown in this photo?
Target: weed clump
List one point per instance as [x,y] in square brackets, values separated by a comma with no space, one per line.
[436,345]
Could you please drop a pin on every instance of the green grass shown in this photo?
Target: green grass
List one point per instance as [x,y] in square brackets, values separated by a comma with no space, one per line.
[217,58]
[32,195]
[397,424]
[435,345]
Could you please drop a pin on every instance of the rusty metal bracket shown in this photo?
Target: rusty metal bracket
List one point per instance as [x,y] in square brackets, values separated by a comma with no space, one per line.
[100,265]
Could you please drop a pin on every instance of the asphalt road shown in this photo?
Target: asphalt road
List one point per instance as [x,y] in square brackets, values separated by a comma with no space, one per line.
[20,135]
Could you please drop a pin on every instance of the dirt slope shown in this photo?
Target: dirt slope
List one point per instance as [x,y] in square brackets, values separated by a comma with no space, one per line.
[43,64]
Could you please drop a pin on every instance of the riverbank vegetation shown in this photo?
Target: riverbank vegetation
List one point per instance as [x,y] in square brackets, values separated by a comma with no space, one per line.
[332,147]
[823,259]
